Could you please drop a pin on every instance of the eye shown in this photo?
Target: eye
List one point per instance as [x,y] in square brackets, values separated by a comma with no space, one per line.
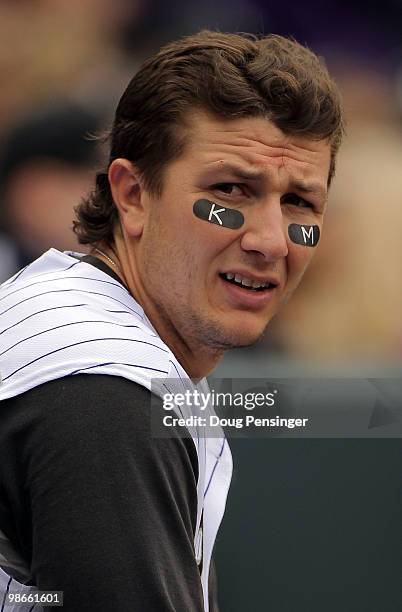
[294,200]
[230,189]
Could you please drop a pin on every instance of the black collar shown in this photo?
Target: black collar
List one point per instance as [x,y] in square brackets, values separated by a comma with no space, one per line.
[94,261]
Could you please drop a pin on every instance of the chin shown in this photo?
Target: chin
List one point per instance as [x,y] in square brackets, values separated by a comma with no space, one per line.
[223,332]
[248,329]
[247,339]
[236,337]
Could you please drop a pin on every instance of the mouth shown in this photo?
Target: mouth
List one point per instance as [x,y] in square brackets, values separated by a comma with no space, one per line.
[251,285]
[247,292]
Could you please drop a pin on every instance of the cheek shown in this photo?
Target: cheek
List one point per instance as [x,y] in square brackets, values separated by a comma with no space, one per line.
[207,240]
[299,258]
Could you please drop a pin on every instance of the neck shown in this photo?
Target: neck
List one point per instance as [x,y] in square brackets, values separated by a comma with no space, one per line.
[196,359]
[107,254]
[198,362]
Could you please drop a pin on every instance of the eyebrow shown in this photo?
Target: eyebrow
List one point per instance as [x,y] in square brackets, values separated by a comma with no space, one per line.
[313,187]
[252,174]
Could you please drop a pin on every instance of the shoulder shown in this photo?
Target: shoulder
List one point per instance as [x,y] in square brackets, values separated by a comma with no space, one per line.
[59,317]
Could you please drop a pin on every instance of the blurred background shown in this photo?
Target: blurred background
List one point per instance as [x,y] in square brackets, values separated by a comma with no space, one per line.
[311,525]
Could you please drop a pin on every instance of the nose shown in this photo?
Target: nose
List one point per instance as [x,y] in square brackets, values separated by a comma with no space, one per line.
[265,232]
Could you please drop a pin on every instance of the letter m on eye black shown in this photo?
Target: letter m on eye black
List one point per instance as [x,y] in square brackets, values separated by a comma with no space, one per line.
[306,235]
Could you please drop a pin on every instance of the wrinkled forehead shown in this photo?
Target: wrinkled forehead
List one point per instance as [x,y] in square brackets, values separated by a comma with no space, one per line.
[256,145]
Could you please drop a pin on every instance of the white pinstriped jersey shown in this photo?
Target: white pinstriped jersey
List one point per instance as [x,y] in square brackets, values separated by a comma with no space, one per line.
[61,317]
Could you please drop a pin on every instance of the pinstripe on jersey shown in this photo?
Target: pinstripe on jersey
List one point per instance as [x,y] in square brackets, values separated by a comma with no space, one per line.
[61,317]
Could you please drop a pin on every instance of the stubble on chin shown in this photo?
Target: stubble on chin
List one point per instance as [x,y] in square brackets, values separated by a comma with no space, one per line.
[209,334]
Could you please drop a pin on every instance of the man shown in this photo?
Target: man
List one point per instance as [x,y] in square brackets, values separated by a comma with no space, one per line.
[222,151]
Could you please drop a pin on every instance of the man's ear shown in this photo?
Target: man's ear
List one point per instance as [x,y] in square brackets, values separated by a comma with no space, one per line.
[128,195]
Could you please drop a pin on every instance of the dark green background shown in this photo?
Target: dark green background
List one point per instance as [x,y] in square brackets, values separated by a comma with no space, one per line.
[312,525]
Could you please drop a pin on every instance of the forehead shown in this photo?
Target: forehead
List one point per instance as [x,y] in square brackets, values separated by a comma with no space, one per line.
[256,146]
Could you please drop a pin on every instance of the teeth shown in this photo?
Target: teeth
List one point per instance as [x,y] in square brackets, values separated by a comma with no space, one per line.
[246,282]
[257,284]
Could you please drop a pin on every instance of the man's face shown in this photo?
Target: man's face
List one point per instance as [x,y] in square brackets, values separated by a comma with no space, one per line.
[183,260]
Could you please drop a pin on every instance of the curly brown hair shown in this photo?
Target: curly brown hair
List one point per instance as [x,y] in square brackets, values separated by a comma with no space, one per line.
[229,75]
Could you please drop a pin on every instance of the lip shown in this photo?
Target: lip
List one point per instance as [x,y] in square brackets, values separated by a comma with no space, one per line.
[269,278]
[244,298]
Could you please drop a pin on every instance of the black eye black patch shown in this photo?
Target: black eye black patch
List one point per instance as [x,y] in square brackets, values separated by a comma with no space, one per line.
[215,213]
[307,235]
